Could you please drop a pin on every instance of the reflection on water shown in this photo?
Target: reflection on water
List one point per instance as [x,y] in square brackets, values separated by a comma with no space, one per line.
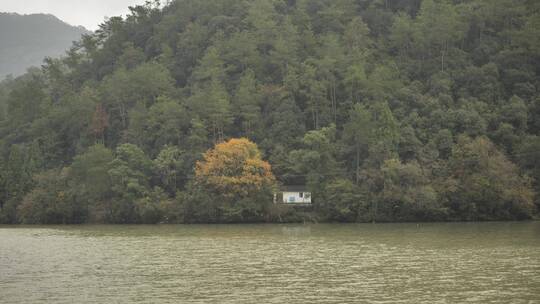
[304,230]
[326,263]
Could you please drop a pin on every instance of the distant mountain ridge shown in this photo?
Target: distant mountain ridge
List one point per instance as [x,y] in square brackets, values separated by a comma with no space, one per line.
[27,39]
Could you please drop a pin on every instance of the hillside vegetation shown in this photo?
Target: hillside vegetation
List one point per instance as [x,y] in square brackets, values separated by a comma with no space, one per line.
[387,111]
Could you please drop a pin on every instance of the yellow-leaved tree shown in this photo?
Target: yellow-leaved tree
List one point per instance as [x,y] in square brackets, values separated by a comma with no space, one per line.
[234,169]
[232,184]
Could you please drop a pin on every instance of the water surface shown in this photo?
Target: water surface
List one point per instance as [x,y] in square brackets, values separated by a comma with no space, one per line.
[324,263]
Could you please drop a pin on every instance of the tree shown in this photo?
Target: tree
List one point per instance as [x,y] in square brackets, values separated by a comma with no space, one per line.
[22,163]
[485,185]
[156,207]
[169,165]
[166,122]
[440,27]
[50,201]
[247,101]
[345,201]
[89,173]
[316,161]
[357,38]
[131,57]
[234,168]
[528,156]
[403,35]
[313,91]
[515,113]
[124,89]
[407,194]
[282,123]
[357,135]
[385,134]
[27,100]
[285,49]
[210,99]
[235,179]
[130,176]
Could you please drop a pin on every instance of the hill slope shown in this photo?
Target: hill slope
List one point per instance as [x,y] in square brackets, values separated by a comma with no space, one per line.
[27,39]
[385,110]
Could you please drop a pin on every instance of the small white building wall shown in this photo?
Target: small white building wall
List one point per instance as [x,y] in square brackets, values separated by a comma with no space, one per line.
[290,197]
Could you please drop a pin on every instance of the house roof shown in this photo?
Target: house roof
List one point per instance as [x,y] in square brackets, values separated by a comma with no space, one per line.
[294,188]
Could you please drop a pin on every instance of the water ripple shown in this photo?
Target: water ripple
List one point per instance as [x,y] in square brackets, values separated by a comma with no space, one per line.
[398,263]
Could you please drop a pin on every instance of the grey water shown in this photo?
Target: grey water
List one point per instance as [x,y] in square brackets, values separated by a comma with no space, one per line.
[497,262]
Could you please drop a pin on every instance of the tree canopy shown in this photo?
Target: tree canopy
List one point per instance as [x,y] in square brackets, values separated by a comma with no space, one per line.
[385,110]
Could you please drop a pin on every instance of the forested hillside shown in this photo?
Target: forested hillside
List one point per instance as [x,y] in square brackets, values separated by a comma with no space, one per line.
[386,110]
[27,39]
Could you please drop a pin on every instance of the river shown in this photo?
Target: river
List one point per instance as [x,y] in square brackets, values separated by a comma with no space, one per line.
[493,262]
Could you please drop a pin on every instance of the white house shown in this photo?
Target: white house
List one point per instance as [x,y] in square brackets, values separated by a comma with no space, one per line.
[295,195]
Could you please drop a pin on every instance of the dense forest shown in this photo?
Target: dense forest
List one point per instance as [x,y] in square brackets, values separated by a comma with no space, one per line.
[197,110]
[27,39]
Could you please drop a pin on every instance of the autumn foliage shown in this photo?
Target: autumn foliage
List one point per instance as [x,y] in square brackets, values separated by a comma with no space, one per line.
[234,169]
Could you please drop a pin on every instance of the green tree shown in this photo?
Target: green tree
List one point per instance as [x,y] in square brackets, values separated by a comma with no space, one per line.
[129,173]
[440,28]
[210,99]
[165,123]
[124,89]
[169,165]
[22,163]
[358,135]
[91,182]
[407,194]
[346,201]
[316,161]
[247,102]
[50,201]
[385,133]
[485,185]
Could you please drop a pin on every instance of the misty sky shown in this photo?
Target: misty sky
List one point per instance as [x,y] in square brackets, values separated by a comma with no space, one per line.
[88,13]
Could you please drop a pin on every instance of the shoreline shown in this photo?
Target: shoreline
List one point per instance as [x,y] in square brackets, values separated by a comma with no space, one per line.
[269,223]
